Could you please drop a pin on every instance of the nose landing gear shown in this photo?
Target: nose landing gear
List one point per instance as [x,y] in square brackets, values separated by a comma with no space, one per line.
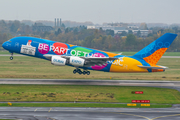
[80,72]
[11,58]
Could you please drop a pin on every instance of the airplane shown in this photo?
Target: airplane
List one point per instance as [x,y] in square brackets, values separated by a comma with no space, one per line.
[62,54]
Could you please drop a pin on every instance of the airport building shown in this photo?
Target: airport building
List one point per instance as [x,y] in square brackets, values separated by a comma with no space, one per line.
[119,28]
[41,27]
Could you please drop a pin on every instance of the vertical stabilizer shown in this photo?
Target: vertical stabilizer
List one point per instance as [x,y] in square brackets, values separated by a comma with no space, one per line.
[154,51]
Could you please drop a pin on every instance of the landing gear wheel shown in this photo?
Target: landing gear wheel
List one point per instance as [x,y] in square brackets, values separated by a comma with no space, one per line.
[80,72]
[88,73]
[77,70]
[74,71]
[11,58]
[84,72]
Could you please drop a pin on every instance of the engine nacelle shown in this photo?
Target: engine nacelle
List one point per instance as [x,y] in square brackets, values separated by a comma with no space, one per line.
[56,60]
[76,61]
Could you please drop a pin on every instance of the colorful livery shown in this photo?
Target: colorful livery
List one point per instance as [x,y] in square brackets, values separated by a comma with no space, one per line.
[90,59]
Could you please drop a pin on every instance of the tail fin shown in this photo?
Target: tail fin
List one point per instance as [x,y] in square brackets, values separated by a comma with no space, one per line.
[154,51]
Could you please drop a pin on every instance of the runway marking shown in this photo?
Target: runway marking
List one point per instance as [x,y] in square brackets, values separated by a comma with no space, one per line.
[165,116]
[149,118]
[135,115]
[35,110]
[52,118]
[50,109]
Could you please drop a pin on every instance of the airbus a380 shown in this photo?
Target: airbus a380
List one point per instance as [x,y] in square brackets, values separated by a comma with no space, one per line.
[90,59]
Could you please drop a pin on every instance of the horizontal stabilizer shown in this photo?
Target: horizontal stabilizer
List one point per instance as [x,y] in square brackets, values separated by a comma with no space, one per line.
[153,67]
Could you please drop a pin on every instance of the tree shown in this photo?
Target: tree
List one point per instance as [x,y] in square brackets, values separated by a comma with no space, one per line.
[100,29]
[98,42]
[58,32]
[3,27]
[110,32]
[130,32]
[130,40]
[87,41]
[176,29]
[45,34]
[14,26]
[63,26]
[67,30]
[168,31]
[143,26]
[150,34]
[75,31]
[124,33]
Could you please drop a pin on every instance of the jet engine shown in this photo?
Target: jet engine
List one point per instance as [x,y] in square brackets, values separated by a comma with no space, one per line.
[76,61]
[56,60]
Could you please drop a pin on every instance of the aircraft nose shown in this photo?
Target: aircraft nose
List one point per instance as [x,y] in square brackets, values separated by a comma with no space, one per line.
[4,44]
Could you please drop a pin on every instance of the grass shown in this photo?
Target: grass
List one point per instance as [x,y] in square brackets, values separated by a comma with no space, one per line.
[82,105]
[84,93]
[4,52]
[29,67]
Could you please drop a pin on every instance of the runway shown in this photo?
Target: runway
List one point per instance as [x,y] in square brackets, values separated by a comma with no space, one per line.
[146,83]
[57,113]
[69,113]
[91,82]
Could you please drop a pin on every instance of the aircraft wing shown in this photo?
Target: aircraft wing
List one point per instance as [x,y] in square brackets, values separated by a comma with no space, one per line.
[48,56]
[153,67]
[99,58]
[90,61]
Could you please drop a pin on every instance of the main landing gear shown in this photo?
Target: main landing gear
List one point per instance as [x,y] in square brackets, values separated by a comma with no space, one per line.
[11,58]
[80,72]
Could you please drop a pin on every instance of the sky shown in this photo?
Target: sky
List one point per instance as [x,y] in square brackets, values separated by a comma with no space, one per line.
[96,11]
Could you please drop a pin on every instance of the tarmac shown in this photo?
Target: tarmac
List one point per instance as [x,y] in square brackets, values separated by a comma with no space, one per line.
[68,113]
[75,113]
[146,83]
